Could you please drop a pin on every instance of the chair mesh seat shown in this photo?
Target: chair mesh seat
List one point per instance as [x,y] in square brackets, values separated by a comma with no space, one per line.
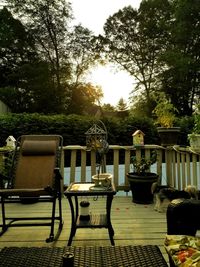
[34,176]
[123,256]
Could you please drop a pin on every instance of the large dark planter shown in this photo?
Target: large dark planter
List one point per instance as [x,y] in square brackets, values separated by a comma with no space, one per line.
[140,186]
[168,136]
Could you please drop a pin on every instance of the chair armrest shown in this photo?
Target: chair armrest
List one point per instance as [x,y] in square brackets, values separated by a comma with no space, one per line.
[183,217]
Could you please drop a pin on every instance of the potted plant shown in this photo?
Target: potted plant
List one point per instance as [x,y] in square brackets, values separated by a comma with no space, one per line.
[165,113]
[194,137]
[6,154]
[141,179]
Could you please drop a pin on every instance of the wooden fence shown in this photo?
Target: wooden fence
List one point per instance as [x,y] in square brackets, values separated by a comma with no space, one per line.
[175,166]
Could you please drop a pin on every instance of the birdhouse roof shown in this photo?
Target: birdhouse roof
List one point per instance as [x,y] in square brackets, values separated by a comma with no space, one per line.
[138,132]
[10,138]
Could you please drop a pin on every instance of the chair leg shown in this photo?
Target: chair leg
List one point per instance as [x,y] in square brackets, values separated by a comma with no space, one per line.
[4,226]
[51,235]
[60,211]
[59,218]
[51,238]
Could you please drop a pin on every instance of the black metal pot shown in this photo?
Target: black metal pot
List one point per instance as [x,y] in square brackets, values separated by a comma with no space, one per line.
[168,136]
[140,185]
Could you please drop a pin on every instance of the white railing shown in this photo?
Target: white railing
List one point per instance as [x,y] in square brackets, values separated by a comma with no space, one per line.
[175,166]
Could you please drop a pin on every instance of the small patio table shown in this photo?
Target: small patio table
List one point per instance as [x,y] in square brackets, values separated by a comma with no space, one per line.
[76,190]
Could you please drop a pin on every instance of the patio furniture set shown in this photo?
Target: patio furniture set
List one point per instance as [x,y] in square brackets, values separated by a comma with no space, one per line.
[35,174]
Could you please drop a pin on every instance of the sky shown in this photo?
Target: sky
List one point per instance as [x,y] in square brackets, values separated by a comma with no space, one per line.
[93,14]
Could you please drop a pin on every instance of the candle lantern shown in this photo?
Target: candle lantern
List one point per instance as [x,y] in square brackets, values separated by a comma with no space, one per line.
[84,214]
[96,139]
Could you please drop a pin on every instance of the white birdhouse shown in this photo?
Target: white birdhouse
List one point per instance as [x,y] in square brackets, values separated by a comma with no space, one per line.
[138,138]
[11,141]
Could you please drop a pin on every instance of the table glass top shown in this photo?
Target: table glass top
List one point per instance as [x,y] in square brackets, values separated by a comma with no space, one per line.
[81,187]
[89,188]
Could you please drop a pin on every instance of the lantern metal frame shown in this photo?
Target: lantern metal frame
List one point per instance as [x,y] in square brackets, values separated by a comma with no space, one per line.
[96,140]
[95,136]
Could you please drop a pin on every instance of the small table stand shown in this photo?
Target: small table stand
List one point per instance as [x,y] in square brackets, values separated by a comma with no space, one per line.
[96,221]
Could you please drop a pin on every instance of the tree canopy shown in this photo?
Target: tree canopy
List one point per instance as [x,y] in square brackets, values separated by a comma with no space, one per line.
[181,80]
[44,59]
[48,55]
[158,44]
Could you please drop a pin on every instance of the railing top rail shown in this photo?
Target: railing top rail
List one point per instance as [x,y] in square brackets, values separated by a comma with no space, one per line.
[113,147]
[184,150]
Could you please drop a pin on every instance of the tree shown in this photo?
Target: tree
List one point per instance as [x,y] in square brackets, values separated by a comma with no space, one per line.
[181,80]
[122,105]
[82,52]
[136,39]
[108,107]
[46,21]
[67,52]
[16,46]
[27,95]
[26,82]
[83,98]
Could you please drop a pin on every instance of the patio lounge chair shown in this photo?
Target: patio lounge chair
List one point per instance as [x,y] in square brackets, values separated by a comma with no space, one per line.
[34,174]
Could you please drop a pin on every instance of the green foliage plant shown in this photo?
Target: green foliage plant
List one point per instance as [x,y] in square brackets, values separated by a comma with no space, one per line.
[165,113]
[142,165]
[197,125]
[194,137]
[5,165]
[196,116]
[196,128]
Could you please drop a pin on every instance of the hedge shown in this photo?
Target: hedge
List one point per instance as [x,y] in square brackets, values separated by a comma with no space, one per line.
[73,127]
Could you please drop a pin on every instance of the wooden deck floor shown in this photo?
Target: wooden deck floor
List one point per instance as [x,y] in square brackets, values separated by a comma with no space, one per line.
[134,224]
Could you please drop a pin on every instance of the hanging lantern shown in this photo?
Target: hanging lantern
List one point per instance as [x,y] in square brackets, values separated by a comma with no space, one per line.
[96,138]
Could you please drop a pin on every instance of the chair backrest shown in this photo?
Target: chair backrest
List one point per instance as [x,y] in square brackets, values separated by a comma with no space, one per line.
[183,217]
[35,158]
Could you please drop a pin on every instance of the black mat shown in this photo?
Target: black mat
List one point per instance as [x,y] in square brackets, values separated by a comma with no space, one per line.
[113,256]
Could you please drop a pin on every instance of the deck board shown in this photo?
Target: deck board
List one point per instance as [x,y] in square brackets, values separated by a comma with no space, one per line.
[134,224]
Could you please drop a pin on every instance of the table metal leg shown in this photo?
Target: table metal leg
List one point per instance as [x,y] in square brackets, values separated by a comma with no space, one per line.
[73,218]
[108,210]
[104,222]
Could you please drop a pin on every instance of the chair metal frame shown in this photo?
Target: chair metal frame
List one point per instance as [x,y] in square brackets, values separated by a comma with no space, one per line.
[48,194]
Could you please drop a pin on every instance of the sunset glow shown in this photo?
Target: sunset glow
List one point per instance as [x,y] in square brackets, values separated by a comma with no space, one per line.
[93,14]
